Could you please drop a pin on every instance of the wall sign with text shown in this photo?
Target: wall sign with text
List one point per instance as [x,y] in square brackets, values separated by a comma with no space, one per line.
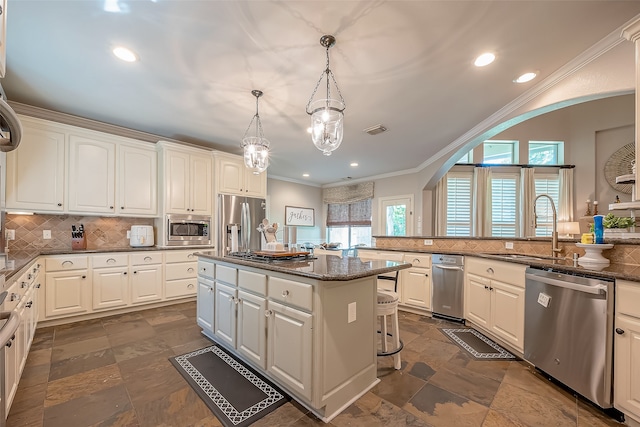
[298,216]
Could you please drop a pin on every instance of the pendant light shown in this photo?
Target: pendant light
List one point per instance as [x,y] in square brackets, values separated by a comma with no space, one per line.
[327,118]
[256,148]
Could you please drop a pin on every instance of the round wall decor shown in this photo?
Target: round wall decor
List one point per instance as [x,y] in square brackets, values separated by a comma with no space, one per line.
[620,163]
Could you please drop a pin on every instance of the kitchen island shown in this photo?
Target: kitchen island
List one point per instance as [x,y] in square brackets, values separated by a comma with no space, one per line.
[309,325]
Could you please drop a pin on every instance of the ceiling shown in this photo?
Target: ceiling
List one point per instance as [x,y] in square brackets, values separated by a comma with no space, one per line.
[407,65]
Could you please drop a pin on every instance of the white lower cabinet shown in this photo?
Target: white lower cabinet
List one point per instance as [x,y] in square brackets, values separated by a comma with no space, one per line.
[110,279]
[416,281]
[225,313]
[252,328]
[494,298]
[68,286]
[146,277]
[180,272]
[204,307]
[289,347]
[626,393]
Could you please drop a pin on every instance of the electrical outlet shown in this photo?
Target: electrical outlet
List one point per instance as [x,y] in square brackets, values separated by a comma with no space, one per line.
[508,245]
[428,242]
[11,234]
[46,234]
[351,312]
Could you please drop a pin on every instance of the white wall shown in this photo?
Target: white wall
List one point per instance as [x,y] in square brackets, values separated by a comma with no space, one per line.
[284,193]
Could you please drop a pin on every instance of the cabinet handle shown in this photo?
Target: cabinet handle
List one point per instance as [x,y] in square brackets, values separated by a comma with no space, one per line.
[38,286]
[268,313]
[147,259]
[210,290]
[10,342]
[59,204]
[619,331]
[490,288]
[14,297]
[190,286]
[190,256]
[486,287]
[67,261]
[285,294]
[110,260]
[190,270]
[29,276]
[24,285]
[415,261]
[29,304]
[490,270]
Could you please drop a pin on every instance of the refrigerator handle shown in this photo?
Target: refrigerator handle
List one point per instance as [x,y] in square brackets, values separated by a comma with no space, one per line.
[246,230]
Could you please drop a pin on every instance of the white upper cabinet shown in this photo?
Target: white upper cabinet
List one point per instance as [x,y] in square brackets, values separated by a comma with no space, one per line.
[91,175]
[35,171]
[234,178]
[67,169]
[137,181]
[187,180]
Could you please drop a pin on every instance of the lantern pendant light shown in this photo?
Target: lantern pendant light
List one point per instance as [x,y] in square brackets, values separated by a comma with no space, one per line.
[327,117]
[256,148]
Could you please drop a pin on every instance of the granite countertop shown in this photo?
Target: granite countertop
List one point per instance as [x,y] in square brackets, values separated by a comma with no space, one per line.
[613,271]
[22,258]
[320,267]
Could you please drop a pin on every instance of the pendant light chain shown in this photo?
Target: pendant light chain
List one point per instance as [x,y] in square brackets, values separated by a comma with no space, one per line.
[328,72]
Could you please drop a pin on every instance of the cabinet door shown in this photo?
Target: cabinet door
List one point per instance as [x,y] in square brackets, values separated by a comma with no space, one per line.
[255,185]
[137,181]
[176,170]
[225,313]
[416,287]
[507,313]
[11,365]
[230,176]
[200,181]
[110,288]
[35,172]
[252,328]
[626,367]
[146,283]
[91,175]
[478,300]
[67,292]
[204,305]
[289,347]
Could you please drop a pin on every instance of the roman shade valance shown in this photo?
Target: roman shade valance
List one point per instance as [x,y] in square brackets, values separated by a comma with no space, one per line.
[348,193]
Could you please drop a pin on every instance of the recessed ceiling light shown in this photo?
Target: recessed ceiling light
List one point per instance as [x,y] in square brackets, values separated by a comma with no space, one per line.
[306,175]
[353,164]
[484,59]
[125,54]
[526,77]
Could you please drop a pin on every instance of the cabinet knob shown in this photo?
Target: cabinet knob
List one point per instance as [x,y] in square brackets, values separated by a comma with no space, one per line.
[426,275]
[124,272]
[190,286]
[190,270]
[59,204]
[84,277]
[29,304]
[110,207]
[486,287]
[121,207]
[490,270]
[285,294]
[490,288]
[619,331]
[135,272]
[415,261]
[268,313]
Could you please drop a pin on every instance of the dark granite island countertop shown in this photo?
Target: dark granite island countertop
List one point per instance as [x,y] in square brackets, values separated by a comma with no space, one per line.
[320,267]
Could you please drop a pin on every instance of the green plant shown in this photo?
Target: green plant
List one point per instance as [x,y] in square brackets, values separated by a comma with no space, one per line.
[612,221]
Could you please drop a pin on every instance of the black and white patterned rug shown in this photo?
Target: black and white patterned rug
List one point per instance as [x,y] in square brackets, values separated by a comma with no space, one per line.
[236,394]
[476,344]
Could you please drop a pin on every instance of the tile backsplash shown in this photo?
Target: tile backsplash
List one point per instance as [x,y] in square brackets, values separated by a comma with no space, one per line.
[101,232]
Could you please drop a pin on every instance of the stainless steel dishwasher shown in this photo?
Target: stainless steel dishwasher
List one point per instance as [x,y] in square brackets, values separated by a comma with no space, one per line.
[447,286]
[568,331]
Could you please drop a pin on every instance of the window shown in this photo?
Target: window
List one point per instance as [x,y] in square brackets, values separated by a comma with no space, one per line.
[459,200]
[546,152]
[349,224]
[467,158]
[546,184]
[500,152]
[504,205]
[394,215]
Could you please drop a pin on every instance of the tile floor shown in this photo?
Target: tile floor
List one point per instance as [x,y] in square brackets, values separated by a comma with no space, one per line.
[115,372]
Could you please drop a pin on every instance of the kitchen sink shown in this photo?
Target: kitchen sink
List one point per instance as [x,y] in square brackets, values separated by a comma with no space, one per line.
[525,257]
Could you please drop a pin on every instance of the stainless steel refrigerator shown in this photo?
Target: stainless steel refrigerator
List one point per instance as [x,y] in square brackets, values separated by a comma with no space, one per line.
[238,220]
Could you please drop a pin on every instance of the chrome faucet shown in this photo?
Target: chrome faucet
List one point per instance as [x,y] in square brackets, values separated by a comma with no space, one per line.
[554,232]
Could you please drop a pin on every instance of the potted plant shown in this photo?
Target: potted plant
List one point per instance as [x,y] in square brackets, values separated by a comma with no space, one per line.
[617,224]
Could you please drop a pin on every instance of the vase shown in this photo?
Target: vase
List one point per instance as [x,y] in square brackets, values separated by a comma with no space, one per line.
[598,229]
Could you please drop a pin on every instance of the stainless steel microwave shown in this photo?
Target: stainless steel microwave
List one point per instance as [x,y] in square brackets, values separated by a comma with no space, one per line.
[188,230]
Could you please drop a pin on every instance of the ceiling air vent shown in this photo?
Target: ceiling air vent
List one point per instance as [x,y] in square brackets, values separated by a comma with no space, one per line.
[374,130]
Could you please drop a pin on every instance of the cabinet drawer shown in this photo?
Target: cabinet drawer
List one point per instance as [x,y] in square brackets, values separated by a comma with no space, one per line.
[291,293]
[628,298]
[206,269]
[254,282]
[180,288]
[226,274]
[179,256]
[383,255]
[146,258]
[110,260]
[184,270]
[418,260]
[497,270]
[66,263]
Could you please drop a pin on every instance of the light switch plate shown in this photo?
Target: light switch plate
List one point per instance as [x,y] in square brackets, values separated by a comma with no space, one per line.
[10,234]
[508,245]
[428,242]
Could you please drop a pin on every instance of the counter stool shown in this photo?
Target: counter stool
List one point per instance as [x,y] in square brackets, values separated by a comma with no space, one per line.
[388,307]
